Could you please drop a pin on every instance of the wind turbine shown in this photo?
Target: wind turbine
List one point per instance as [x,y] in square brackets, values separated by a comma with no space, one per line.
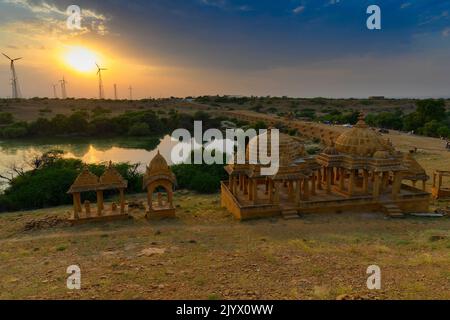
[14,81]
[131,92]
[63,88]
[54,91]
[100,82]
[115,91]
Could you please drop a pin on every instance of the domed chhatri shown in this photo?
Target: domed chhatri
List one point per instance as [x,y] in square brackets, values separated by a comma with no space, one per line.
[158,165]
[264,194]
[358,169]
[360,140]
[158,175]
[290,148]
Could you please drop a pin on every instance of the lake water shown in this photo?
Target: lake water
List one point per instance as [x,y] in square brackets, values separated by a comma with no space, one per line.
[133,150]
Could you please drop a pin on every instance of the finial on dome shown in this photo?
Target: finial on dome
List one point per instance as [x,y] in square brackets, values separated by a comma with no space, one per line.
[361,121]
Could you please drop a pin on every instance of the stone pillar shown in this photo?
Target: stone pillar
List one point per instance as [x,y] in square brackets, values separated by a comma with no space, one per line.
[306,189]
[76,207]
[342,179]
[385,181]
[376,185]
[290,190]
[170,196]
[255,191]
[396,185]
[150,199]
[365,181]
[297,191]
[122,200]
[78,200]
[313,184]
[319,179]
[351,182]
[277,193]
[328,178]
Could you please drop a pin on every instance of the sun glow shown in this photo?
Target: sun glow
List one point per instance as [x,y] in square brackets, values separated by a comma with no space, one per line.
[81,59]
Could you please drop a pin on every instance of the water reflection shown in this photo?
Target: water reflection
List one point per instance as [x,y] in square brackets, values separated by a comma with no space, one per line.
[133,150]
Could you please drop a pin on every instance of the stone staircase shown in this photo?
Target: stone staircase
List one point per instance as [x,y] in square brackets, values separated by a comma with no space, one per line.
[393,211]
[290,214]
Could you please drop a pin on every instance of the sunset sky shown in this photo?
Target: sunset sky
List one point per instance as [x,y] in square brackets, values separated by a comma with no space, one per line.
[299,48]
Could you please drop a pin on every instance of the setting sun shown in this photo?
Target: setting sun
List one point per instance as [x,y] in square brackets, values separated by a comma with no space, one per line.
[81,59]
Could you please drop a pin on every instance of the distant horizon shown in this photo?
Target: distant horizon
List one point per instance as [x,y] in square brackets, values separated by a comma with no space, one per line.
[234,96]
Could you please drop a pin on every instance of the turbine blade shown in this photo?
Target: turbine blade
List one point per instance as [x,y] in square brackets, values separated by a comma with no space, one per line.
[17,59]
[6,56]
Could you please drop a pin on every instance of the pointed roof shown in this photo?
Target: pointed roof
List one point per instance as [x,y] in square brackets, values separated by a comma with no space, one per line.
[158,164]
[414,170]
[111,179]
[86,181]
[158,169]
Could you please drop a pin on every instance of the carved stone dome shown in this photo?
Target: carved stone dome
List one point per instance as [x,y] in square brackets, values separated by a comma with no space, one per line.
[158,170]
[360,140]
[290,148]
[158,165]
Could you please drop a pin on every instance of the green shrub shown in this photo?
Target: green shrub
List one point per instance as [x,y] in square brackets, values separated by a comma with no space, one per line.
[201,178]
[139,130]
[46,186]
[14,131]
[6,118]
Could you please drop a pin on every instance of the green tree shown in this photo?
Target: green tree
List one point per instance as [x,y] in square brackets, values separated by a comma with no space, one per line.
[431,109]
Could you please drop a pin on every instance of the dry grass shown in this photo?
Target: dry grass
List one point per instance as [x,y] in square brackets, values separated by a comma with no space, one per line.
[208,255]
